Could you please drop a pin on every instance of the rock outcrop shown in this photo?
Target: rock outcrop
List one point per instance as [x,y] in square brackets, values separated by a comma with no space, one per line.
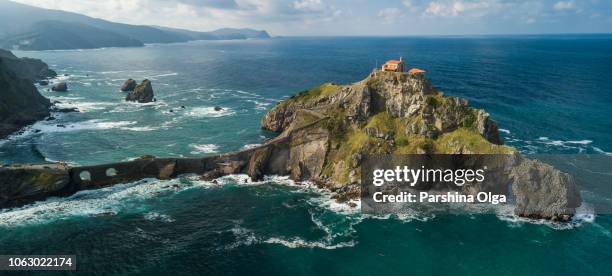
[143,93]
[326,131]
[331,127]
[21,103]
[60,87]
[128,85]
[543,192]
[26,68]
[22,184]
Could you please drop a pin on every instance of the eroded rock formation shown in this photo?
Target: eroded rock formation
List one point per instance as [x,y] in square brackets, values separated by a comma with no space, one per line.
[128,85]
[60,87]
[143,93]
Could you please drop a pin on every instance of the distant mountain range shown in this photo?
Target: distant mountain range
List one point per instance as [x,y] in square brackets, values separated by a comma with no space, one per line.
[26,27]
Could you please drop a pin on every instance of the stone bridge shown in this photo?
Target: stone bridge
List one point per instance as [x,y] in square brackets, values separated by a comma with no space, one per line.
[21,184]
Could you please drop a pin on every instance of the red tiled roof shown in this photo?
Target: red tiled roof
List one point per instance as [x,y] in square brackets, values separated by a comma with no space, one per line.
[393,61]
[414,71]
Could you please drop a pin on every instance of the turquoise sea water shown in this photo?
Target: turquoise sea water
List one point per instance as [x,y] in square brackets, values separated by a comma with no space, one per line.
[549,94]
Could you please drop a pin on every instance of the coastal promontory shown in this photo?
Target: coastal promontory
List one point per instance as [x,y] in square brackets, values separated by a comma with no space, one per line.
[21,102]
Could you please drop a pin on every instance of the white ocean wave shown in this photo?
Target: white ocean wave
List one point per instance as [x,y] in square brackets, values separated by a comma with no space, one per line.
[244,236]
[298,243]
[260,105]
[209,112]
[60,78]
[584,214]
[204,148]
[107,201]
[95,124]
[162,75]
[247,237]
[86,106]
[140,128]
[250,146]
[155,216]
[598,150]
[548,141]
[545,144]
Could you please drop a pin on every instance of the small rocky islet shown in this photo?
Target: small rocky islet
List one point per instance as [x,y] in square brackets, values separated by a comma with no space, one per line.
[323,134]
[141,93]
[60,87]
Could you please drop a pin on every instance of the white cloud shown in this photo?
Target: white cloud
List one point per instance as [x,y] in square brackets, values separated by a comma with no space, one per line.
[308,5]
[564,5]
[347,17]
[276,16]
[390,15]
[453,8]
[408,3]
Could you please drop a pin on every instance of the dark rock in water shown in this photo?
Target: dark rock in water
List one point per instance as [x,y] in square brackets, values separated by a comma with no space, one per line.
[143,93]
[182,106]
[43,82]
[171,110]
[543,192]
[146,157]
[62,126]
[218,108]
[64,110]
[105,214]
[128,85]
[60,87]
[51,118]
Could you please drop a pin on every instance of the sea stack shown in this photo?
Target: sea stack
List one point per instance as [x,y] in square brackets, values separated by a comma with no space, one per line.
[60,87]
[143,93]
[128,85]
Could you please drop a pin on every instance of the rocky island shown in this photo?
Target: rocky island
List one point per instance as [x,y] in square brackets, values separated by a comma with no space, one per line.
[324,133]
[142,93]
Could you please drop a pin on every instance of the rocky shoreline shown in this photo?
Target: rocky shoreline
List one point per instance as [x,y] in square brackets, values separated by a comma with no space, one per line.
[323,135]
[21,103]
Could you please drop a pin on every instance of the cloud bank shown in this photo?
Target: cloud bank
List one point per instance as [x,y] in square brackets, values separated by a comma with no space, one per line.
[354,17]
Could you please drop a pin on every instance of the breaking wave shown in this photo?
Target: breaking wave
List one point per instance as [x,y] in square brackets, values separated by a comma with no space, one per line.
[108,201]
[549,145]
[204,148]
[209,112]
[584,214]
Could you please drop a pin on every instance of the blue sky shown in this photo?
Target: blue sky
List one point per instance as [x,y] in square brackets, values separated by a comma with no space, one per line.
[356,17]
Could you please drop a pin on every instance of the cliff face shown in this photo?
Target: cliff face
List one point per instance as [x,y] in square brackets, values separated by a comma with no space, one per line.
[325,132]
[21,103]
[26,68]
[387,113]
